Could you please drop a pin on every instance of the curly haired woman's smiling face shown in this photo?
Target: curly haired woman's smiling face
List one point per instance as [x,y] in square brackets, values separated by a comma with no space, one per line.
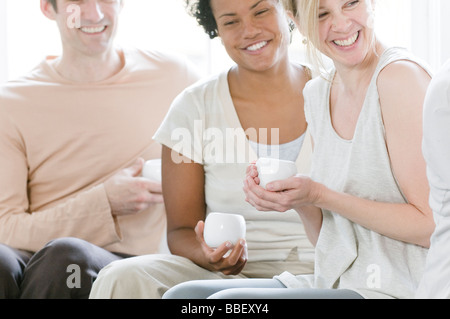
[254,32]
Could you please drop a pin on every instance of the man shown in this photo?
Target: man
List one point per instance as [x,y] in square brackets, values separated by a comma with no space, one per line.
[74,134]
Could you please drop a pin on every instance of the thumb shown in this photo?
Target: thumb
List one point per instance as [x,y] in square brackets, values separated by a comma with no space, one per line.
[286,184]
[136,169]
[199,228]
[277,186]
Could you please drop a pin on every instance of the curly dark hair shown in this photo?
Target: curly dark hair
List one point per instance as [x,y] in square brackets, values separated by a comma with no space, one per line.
[202,12]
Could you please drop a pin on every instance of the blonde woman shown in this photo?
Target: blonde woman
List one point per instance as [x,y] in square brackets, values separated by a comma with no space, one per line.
[365,204]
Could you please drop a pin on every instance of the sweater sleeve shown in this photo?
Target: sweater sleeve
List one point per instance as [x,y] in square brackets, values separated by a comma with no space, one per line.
[85,215]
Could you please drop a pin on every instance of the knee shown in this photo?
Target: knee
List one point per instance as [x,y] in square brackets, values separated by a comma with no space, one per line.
[11,272]
[10,265]
[120,279]
[135,277]
[53,264]
[65,251]
[115,271]
[64,268]
[129,271]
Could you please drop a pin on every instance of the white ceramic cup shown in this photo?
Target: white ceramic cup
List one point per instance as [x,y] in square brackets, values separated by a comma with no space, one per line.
[152,170]
[271,169]
[222,227]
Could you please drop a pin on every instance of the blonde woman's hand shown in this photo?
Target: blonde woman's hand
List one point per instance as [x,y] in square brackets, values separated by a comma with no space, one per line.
[281,196]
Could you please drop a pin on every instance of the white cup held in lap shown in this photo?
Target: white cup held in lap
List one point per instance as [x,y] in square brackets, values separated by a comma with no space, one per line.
[223,227]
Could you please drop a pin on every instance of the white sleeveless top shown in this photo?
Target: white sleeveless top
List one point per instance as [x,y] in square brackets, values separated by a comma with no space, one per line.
[202,124]
[348,255]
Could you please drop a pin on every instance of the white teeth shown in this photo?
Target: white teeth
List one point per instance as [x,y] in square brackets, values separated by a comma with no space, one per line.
[93,29]
[257,46]
[347,42]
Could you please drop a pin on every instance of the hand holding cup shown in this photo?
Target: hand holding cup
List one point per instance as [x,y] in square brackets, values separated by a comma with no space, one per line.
[270,170]
[226,252]
[152,170]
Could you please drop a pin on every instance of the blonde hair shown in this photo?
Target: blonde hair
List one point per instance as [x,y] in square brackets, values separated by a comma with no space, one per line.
[307,12]
[290,5]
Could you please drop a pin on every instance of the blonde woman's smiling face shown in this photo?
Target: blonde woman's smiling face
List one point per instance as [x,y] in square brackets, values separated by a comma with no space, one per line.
[346,30]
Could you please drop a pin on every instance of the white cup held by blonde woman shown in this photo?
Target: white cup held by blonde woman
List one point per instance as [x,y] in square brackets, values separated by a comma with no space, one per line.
[271,169]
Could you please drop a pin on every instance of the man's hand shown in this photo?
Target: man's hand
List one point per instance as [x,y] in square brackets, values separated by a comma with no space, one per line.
[129,193]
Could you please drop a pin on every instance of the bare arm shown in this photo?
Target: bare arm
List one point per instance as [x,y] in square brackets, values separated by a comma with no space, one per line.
[402,88]
[398,221]
[411,222]
[184,196]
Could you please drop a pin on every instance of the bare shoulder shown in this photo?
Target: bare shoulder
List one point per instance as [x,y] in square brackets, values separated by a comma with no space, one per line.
[304,73]
[402,77]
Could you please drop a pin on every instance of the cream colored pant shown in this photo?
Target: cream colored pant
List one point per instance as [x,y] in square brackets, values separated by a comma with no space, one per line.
[150,276]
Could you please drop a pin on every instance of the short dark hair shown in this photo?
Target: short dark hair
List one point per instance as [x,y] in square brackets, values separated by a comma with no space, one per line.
[202,12]
[53,3]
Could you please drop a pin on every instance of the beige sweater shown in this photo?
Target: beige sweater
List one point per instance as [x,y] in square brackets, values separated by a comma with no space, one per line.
[59,141]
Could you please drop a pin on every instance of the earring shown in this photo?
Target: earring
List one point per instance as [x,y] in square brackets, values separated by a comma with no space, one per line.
[291,25]
[305,41]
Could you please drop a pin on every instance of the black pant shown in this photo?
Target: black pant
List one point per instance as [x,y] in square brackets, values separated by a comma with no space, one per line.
[64,269]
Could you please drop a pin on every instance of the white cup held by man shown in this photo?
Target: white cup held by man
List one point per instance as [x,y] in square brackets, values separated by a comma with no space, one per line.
[271,169]
[152,170]
[223,227]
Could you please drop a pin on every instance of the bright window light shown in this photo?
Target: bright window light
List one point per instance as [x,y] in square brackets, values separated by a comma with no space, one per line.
[157,24]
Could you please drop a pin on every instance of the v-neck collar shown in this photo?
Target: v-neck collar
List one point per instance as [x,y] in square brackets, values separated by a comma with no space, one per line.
[232,118]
